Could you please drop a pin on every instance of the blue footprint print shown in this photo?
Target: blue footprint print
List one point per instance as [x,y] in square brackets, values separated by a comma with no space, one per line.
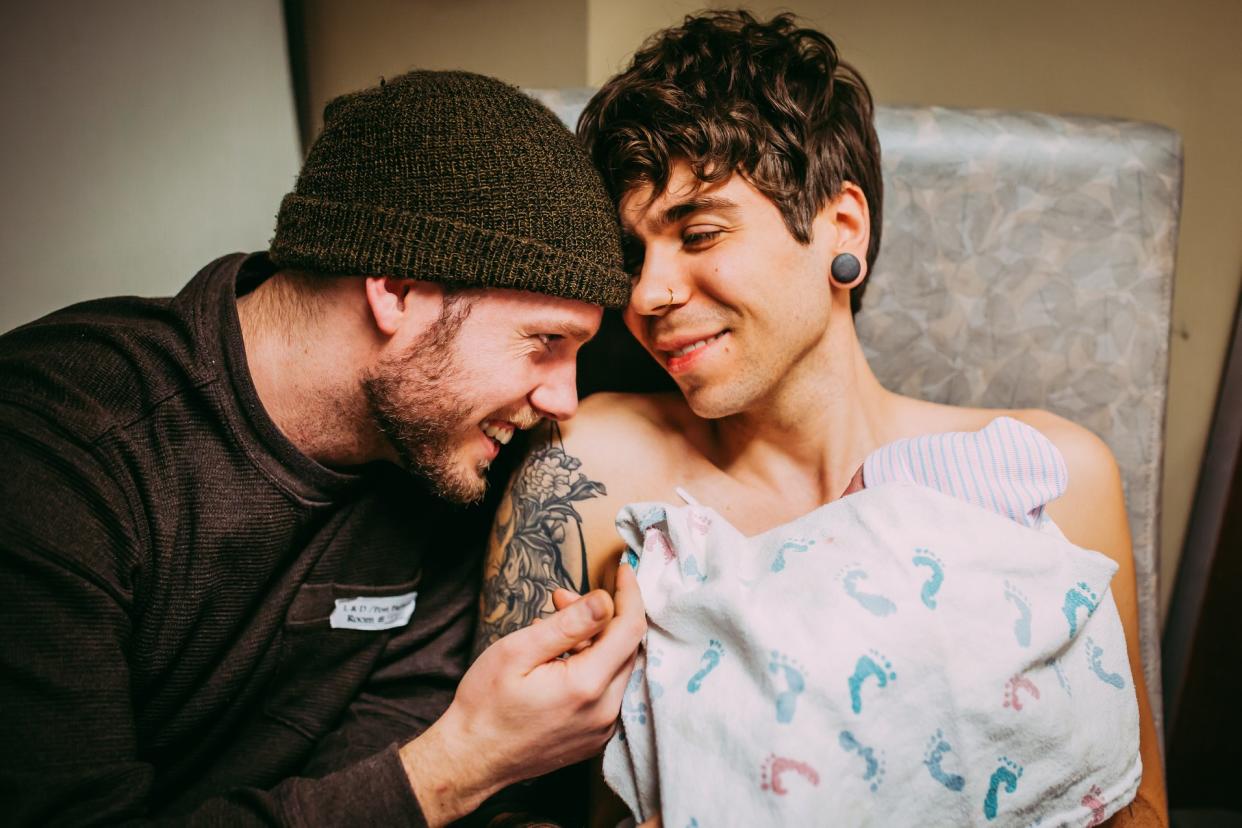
[931,560]
[937,747]
[1007,773]
[1021,626]
[872,603]
[1094,652]
[707,663]
[795,683]
[651,517]
[800,545]
[868,666]
[654,659]
[1078,597]
[690,568]
[874,772]
[632,707]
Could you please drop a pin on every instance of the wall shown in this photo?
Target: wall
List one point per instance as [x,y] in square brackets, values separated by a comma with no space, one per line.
[349,46]
[141,140]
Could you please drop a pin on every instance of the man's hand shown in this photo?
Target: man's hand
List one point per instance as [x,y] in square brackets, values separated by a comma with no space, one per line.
[521,710]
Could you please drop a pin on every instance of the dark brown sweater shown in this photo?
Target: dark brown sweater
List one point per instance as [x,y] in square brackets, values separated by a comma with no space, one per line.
[168,566]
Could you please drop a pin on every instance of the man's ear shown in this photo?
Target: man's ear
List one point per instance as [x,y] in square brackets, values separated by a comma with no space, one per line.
[849,220]
[396,303]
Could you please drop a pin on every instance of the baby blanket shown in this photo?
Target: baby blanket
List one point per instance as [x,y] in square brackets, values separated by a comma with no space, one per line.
[896,657]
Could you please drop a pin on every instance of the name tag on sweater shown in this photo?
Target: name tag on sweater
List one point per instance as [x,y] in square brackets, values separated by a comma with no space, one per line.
[363,613]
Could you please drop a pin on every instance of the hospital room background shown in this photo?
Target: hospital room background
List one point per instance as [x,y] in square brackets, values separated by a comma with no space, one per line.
[143,139]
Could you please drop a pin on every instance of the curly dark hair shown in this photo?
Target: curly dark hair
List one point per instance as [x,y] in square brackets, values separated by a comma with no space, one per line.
[726,92]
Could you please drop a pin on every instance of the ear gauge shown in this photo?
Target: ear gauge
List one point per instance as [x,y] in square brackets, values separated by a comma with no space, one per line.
[846,269]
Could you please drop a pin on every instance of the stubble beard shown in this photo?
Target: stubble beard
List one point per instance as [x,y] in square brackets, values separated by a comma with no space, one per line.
[413,399]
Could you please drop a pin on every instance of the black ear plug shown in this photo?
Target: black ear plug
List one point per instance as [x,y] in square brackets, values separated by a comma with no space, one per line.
[846,268]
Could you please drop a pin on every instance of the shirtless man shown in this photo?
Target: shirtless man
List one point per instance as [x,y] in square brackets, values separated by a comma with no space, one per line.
[744,164]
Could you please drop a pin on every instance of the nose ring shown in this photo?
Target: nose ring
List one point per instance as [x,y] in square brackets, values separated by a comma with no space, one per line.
[671,299]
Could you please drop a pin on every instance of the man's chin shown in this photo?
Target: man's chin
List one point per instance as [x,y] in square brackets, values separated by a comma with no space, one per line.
[708,403]
[449,479]
[460,485]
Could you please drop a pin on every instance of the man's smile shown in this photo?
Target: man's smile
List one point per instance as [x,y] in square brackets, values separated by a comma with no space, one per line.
[499,430]
[680,353]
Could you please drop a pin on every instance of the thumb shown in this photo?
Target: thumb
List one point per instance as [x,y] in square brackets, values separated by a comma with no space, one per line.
[561,631]
[562,598]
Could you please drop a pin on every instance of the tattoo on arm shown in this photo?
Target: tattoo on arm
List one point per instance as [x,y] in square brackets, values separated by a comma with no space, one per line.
[539,531]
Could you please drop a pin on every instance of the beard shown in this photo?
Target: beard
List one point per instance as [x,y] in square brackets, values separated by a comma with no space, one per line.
[413,399]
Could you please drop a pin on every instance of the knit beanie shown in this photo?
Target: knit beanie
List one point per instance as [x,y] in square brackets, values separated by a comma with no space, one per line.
[453,177]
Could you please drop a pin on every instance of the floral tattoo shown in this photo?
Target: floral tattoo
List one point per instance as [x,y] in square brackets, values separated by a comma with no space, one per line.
[540,532]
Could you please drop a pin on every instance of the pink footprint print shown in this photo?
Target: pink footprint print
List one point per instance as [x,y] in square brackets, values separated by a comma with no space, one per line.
[655,541]
[1019,682]
[1092,801]
[774,766]
[700,522]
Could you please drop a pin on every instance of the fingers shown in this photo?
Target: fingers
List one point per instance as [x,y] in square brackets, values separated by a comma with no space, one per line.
[561,631]
[615,690]
[615,646]
[628,600]
[562,598]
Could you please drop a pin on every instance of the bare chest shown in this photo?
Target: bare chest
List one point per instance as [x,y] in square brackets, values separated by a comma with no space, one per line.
[751,509]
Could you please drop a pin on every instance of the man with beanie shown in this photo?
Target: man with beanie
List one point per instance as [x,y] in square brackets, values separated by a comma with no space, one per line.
[232,591]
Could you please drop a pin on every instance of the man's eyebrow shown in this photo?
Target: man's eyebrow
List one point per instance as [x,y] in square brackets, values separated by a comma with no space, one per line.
[565,328]
[679,211]
[693,205]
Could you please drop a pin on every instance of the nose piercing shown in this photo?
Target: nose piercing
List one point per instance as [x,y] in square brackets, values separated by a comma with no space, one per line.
[671,299]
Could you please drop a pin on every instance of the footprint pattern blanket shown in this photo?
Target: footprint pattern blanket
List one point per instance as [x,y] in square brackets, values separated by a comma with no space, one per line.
[896,657]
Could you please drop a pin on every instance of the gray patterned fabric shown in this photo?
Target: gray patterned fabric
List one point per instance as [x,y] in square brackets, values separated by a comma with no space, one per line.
[1027,262]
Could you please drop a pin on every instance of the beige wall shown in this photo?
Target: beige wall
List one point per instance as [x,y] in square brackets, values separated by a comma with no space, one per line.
[1174,64]
[141,140]
[525,42]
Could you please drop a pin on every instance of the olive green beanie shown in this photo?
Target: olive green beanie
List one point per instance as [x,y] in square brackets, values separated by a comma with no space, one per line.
[453,177]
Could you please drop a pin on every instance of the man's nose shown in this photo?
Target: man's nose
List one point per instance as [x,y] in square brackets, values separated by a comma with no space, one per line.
[656,291]
[557,396]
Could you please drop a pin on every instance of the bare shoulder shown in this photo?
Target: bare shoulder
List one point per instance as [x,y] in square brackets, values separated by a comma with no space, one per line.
[1083,450]
[555,526]
[1092,512]
[628,442]
[604,419]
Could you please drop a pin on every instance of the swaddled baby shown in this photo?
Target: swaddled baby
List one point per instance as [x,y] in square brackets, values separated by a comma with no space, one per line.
[929,650]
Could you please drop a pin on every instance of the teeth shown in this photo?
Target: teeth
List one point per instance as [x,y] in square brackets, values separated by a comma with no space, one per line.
[694,346]
[500,432]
